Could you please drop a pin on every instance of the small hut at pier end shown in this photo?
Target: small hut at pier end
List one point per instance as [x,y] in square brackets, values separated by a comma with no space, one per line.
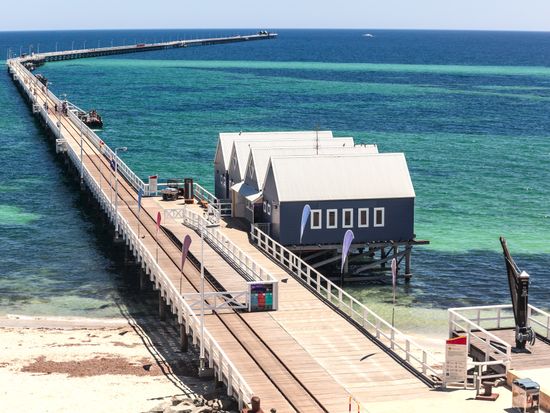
[370,194]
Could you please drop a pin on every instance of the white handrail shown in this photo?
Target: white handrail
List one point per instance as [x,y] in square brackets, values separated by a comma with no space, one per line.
[125,170]
[480,337]
[217,357]
[224,244]
[202,194]
[422,360]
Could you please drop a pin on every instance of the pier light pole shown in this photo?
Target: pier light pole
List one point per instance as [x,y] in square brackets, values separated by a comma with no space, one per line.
[84,45]
[121,149]
[204,228]
[72,45]
[56,46]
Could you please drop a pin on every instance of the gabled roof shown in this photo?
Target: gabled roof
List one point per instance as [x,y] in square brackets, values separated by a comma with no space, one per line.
[245,190]
[335,177]
[225,140]
[241,148]
[336,146]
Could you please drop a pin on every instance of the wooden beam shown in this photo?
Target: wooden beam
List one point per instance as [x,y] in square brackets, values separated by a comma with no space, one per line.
[388,257]
[327,261]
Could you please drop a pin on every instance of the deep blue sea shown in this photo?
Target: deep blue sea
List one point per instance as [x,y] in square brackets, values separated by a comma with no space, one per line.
[469,109]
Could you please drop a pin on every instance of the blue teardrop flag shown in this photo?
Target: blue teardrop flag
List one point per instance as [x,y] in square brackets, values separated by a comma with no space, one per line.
[348,239]
[306,212]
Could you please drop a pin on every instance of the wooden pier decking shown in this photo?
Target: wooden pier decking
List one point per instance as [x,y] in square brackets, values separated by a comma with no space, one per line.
[304,357]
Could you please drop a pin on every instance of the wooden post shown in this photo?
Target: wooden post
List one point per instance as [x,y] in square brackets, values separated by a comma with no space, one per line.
[382,256]
[184,344]
[408,274]
[142,279]
[162,308]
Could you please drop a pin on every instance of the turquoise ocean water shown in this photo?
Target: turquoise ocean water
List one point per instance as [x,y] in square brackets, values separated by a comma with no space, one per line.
[469,109]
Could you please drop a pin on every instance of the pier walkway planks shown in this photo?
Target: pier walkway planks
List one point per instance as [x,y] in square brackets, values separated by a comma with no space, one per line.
[304,339]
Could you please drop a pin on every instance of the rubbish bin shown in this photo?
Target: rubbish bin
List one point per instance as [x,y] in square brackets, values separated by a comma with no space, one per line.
[525,395]
[188,188]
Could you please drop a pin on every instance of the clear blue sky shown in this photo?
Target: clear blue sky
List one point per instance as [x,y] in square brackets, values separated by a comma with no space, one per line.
[418,14]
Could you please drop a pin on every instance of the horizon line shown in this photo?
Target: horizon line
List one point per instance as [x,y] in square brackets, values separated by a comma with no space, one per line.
[280,28]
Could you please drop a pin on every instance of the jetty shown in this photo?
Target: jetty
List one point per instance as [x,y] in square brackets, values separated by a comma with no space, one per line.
[266,322]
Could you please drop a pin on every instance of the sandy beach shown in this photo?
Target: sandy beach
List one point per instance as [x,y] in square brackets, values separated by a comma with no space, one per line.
[92,365]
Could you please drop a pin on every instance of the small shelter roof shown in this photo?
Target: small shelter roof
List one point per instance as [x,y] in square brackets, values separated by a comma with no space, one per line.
[248,192]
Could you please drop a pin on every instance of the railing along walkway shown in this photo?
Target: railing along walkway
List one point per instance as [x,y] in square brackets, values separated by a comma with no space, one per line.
[402,346]
[217,358]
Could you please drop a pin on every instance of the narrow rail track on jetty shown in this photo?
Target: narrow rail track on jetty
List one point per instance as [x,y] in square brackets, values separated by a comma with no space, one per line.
[290,386]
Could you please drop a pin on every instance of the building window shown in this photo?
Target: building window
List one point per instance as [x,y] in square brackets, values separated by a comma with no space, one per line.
[378,217]
[222,180]
[347,218]
[251,170]
[332,218]
[316,219]
[363,217]
[268,208]
[265,206]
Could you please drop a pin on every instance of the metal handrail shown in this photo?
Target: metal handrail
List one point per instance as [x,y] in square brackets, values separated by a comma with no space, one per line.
[203,194]
[125,170]
[460,324]
[224,244]
[218,357]
[545,325]
[420,359]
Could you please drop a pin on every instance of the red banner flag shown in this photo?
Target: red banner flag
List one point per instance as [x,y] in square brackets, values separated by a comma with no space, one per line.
[185,249]
[158,221]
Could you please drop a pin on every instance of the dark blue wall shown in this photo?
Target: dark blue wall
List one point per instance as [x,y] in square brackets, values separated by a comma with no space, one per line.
[398,222]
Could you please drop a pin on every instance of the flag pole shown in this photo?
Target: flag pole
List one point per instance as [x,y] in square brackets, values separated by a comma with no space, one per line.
[157,236]
[394,285]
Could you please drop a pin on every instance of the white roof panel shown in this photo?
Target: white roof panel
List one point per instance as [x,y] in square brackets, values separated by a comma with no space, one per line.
[226,139]
[261,156]
[335,177]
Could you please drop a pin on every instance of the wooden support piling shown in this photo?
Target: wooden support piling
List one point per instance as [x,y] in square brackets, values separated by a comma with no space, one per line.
[408,274]
[184,342]
[162,308]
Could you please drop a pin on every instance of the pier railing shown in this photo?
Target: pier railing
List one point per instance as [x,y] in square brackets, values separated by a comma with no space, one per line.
[124,169]
[217,358]
[398,343]
[251,270]
[217,207]
[493,317]
[496,353]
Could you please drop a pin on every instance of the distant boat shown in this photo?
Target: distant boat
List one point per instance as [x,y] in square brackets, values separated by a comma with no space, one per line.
[91,119]
[368,35]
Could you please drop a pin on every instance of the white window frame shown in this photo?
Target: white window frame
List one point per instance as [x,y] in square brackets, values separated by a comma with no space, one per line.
[265,206]
[268,208]
[313,212]
[335,218]
[344,225]
[376,224]
[359,224]
[251,170]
